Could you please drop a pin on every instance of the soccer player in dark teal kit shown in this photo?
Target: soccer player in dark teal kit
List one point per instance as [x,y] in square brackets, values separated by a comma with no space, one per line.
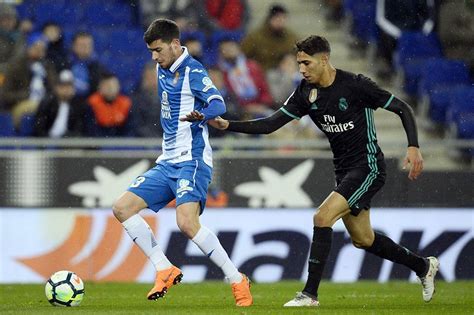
[341,104]
[184,169]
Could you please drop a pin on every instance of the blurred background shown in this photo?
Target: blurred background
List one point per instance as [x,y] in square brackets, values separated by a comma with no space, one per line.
[68,67]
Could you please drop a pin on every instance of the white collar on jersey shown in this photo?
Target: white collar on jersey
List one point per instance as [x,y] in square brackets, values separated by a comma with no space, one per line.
[179,61]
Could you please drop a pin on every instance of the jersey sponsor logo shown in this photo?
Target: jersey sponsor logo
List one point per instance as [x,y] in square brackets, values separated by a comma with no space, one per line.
[197,70]
[313,95]
[207,84]
[165,106]
[343,105]
[330,125]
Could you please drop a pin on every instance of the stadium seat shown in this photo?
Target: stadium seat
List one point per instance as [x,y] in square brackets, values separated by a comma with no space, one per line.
[416,45]
[461,102]
[442,72]
[110,14]
[439,75]
[413,48]
[60,13]
[7,128]
[466,125]
[438,102]
[27,125]
[362,14]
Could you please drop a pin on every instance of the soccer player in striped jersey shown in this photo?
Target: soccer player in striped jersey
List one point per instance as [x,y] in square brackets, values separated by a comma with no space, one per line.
[184,169]
[341,104]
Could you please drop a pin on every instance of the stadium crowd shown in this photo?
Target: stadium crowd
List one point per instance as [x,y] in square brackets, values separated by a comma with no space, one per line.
[81,69]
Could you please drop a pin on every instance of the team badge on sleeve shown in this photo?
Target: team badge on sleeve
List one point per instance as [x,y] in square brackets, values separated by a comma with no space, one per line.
[313,95]
[207,84]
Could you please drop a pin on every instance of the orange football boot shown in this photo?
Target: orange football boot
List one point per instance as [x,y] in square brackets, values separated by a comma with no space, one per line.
[241,292]
[165,279]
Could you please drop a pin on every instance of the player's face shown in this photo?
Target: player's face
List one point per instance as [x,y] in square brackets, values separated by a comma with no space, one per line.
[165,54]
[311,67]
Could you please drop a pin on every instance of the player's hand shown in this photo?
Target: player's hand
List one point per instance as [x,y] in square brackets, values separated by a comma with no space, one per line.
[218,123]
[193,116]
[415,160]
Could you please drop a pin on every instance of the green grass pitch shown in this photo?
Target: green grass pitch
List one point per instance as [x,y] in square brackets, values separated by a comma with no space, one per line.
[216,298]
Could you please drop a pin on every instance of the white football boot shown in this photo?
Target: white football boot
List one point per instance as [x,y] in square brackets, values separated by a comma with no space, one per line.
[302,300]
[428,281]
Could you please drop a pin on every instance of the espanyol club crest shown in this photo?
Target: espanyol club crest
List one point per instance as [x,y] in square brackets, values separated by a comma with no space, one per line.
[313,95]
[176,78]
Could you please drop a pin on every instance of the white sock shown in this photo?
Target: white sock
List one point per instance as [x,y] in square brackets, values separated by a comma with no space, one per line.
[211,247]
[142,235]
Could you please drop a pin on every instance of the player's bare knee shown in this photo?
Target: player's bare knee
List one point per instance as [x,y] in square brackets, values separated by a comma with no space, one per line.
[122,211]
[363,242]
[187,227]
[321,219]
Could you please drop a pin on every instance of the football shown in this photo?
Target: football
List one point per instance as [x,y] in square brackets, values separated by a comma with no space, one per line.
[64,288]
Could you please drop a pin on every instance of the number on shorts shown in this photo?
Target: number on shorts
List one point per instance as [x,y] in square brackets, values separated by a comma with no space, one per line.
[138,181]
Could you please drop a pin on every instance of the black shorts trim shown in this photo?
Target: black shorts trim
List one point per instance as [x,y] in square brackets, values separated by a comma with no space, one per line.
[359,186]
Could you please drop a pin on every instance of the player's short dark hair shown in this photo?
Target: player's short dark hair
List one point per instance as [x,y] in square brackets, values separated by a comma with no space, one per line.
[163,29]
[313,44]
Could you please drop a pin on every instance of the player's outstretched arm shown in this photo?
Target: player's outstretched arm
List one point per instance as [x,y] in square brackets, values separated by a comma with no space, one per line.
[413,156]
[215,108]
[256,126]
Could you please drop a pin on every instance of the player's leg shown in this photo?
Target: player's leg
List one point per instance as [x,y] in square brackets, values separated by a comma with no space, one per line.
[364,237]
[332,209]
[149,190]
[358,225]
[191,193]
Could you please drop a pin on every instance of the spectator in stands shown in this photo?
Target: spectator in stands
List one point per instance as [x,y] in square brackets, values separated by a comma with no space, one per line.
[110,110]
[11,38]
[244,78]
[146,105]
[394,17]
[61,114]
[233,110]
[56,52]
[456,30]
[28,78]
[232,15]
[272,40]
[194,46]
[84,64]
[335,10]
[190,15]
[284,79]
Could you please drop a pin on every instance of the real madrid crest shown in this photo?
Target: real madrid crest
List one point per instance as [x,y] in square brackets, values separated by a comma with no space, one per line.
[313,95]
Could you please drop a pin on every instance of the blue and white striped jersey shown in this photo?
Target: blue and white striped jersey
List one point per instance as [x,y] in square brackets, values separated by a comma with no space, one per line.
[185,87]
